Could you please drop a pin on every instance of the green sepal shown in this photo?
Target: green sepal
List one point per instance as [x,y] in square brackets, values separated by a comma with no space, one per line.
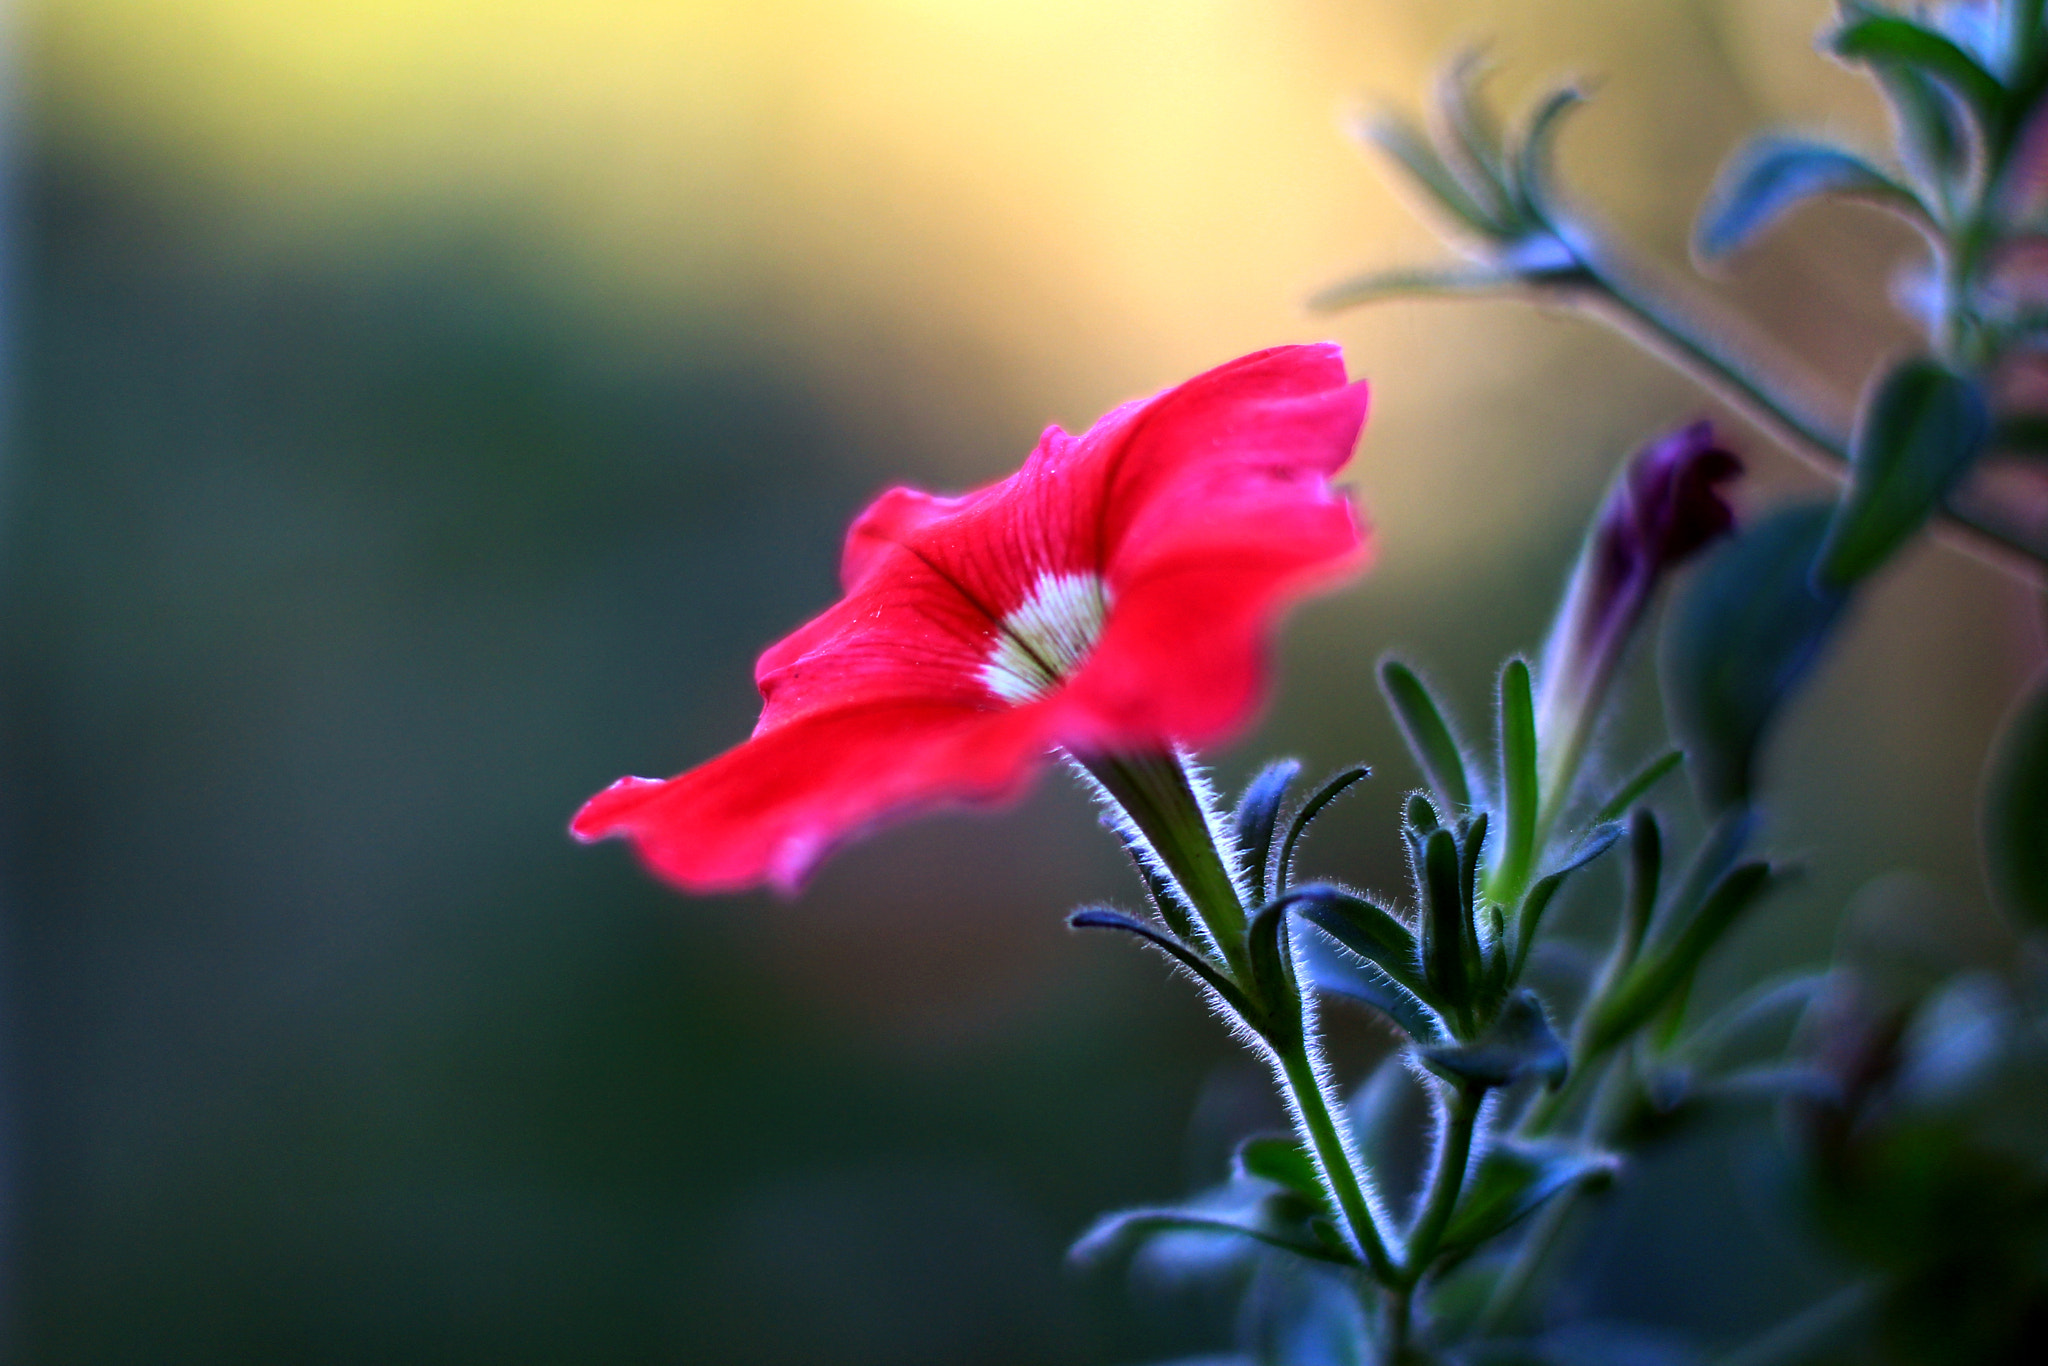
[1366,929]
[1922,428]
[1257,813]
[1108,918]
[2015,813]
[1519,780]
[1741,636]
[1272,972]
[1514,1179]
[1773,175]
[1444,923]
[1429,736]
[1520,1042]
[1664,970]
[1333,788]
[1638,786]
[1279,1160]
[1160,889]
[1420,815]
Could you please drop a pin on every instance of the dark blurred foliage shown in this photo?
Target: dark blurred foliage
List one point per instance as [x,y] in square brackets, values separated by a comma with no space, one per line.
[338,584]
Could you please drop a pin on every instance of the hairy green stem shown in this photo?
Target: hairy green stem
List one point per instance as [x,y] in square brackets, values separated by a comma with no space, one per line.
[1156,792]
[1454,1151]
[1333,1157]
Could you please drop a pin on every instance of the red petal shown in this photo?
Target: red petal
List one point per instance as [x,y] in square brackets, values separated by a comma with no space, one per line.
[770,809]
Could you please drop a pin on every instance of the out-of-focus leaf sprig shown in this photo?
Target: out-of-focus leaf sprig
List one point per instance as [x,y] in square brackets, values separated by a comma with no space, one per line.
[1965,84]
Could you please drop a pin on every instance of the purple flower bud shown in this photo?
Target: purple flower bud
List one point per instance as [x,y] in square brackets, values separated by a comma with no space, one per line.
[1666,505]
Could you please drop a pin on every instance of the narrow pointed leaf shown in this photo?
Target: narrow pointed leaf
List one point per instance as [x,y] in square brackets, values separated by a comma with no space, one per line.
[1428,735]
[1529,918]
[1520,1042]
[1376,285]
[1370,931]
[1269,1226]
[1773,175]
[1533,165]
[1310,809]
[1443,922]
[1406,145]
[1518,773]
[1515,1178]
[1892,40]
[1935,140]
[1742,635]
[1471,145]
[1645,871]
[1336,976]
[2016,814]
[1638,787]
[1272,969]
[1666,968]
[1159,889]
[1257,813]
[1922,429]
[1104,918]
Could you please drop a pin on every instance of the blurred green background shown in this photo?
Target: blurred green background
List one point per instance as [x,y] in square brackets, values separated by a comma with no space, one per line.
[421,415]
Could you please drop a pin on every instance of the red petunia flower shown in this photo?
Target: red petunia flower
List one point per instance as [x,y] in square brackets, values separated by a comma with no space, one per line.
[1114,596]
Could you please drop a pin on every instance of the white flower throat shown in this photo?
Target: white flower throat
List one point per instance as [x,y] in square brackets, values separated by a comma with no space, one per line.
[1047,637]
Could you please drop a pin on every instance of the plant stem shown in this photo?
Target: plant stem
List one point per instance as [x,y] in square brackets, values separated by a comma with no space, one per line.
[1333,1155]
[1454,1151]
[1601,290]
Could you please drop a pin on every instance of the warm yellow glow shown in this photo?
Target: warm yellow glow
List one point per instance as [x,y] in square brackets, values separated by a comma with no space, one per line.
[1083,199]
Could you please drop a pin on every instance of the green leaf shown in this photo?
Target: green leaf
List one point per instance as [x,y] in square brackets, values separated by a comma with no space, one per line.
[1921,430]
[1108,918]
[1445,920]
[1472,148]
[1400,140]
[1529,918]
[1257,812]
[1376,285]
[1741,636]
[1428,735]
[1273,1221]
[1513,1180]
[1645,871]
[1165,897]
[2016,813]
[1310,809]
[1369,987]
[1892,40]
[1934,139]
[1370,931]
[1666,968]
[1533,164]
[1272,970]
[1279,1160]
[1518,774]
[1520,1042]
[1638,786]
[1772,175]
